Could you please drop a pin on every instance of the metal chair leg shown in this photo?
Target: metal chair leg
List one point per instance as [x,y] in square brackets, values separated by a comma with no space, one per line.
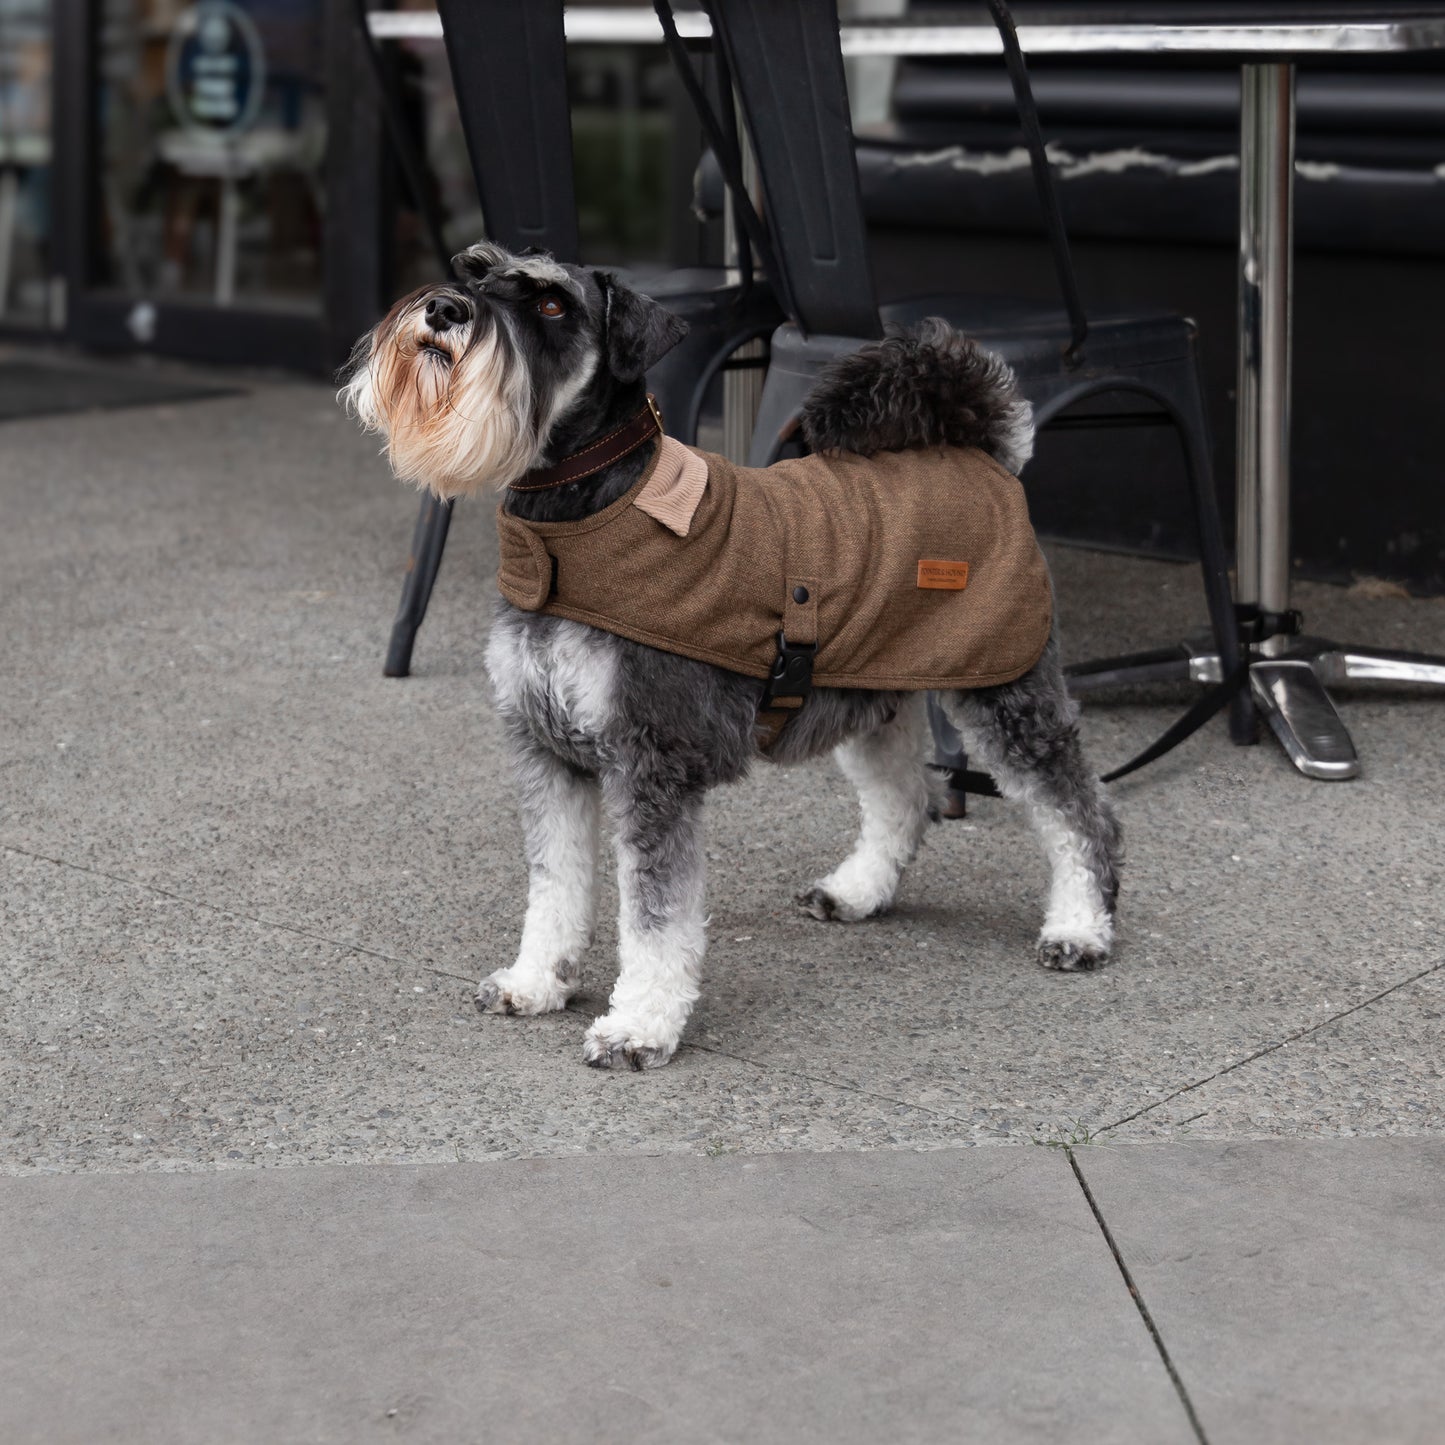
[949,758]
[1175,387]
[427,544]
[1213,557]
[947,744]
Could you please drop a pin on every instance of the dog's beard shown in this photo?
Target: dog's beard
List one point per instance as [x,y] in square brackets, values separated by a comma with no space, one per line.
[454,406]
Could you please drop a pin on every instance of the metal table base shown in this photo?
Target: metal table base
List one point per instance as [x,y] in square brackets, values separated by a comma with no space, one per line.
[1288,687]
[1289,675]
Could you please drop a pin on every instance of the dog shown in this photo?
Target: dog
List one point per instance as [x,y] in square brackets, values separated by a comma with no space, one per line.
[521,363]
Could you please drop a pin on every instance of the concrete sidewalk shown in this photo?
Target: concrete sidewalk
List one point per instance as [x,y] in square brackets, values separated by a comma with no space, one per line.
[1285,1291]
[247,886]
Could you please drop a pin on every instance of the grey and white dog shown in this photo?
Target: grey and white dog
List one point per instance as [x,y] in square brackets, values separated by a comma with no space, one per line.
[522,361]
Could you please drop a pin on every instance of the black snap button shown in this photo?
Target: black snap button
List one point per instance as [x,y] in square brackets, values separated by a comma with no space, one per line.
[800,594]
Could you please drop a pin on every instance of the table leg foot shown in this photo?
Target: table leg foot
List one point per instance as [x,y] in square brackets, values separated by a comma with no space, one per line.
[1298,709]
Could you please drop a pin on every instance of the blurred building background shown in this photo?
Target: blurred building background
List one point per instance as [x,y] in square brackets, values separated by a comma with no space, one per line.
[212,181]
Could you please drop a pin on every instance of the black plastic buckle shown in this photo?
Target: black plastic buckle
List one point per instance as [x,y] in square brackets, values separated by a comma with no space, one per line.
[792,674]
[1256,625]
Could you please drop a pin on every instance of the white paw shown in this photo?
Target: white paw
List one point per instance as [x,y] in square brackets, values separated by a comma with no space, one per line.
[617,1038]
[846,896]
[1073,955]
[526,991]
[861,886]
[820,903]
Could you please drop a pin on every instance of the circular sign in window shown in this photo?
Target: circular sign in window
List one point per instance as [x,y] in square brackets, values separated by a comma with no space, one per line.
[215,68]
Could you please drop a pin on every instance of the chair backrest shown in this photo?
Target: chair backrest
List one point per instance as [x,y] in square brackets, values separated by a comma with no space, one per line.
[788,69]
[788,66]
[508,60]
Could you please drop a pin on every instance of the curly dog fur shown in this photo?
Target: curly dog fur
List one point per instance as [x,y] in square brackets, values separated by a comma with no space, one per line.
[930,387]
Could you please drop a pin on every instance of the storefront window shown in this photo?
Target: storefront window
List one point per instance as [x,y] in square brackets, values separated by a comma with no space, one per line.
[25,152]
[212,129]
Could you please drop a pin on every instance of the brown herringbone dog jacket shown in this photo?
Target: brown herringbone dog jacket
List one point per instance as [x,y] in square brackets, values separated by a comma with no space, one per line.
[910,570]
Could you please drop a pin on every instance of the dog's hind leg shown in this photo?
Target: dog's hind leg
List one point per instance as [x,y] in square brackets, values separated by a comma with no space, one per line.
[559,821]
[887,768]
[1026,735]
[661,927]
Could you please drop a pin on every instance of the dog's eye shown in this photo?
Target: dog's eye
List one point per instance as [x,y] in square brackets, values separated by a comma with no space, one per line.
[551,307]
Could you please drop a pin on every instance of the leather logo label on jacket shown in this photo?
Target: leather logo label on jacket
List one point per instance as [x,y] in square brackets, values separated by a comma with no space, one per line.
[946,576]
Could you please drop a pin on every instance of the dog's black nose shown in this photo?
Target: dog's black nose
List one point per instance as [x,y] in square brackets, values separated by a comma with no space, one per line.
[444,311]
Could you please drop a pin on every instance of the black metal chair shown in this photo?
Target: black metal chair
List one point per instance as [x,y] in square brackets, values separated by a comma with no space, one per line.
[788,70]
[509,70]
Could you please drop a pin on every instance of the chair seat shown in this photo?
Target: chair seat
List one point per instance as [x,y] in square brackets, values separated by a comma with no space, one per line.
[661,281]
[1143,353]
[1032,335]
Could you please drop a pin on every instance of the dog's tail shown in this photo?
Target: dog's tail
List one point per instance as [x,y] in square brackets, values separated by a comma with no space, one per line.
[929,387]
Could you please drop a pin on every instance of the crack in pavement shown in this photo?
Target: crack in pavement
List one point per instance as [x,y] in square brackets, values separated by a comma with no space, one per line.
[181,898]
[1273,1048]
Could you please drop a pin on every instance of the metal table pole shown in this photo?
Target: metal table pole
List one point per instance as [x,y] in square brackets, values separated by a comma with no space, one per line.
[1286,690]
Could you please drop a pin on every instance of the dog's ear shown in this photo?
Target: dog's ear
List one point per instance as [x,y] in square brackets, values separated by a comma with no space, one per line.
[478,258]
[636,331]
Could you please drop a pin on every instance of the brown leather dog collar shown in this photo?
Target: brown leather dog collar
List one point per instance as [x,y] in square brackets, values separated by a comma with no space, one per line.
[596,455]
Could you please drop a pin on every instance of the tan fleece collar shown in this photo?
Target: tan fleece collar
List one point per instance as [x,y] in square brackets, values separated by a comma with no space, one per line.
[672,493]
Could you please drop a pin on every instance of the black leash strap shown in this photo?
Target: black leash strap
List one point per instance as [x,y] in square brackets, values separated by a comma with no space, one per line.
[1043,176]
[1209,703]
[1215,700]
[728,152]
[980,785]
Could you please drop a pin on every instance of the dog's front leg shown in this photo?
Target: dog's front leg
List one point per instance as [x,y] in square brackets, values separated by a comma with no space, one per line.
[660,883]
[559,822]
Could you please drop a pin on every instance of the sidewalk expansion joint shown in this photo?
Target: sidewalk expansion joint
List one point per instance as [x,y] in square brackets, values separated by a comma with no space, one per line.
[1271,1048]
[347,945]
[1138,1298]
